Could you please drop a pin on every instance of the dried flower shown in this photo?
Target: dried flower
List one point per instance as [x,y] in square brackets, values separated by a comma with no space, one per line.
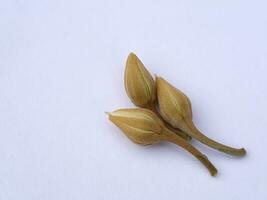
[175,108]
[144,127]
[139,84]
[140,88]
[140,125]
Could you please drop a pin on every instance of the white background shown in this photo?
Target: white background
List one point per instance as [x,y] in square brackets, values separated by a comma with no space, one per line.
[61,67]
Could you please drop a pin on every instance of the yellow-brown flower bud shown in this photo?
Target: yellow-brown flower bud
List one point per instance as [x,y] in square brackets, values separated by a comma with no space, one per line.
[176,109]
[139,84]
[142,126]
[174,106]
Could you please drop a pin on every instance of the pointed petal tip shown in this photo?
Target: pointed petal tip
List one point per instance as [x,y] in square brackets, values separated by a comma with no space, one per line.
[132,55]
[131,58]
[107,113]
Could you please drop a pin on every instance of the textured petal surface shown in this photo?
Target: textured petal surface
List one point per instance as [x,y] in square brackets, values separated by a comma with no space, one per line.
[139,84]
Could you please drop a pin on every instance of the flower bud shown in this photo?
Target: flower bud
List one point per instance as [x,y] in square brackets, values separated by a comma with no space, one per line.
[176,109]
[142,126]
[174,106]
[139,84]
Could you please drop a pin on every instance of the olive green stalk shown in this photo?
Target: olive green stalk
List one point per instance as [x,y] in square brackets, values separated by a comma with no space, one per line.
[144,127]
[175,107]
[140,88]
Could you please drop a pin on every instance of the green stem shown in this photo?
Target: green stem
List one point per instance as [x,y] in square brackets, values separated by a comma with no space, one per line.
[195,133]
[172,137]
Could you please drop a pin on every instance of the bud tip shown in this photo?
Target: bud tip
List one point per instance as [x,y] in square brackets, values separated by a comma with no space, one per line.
[131,54]
[107,113]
